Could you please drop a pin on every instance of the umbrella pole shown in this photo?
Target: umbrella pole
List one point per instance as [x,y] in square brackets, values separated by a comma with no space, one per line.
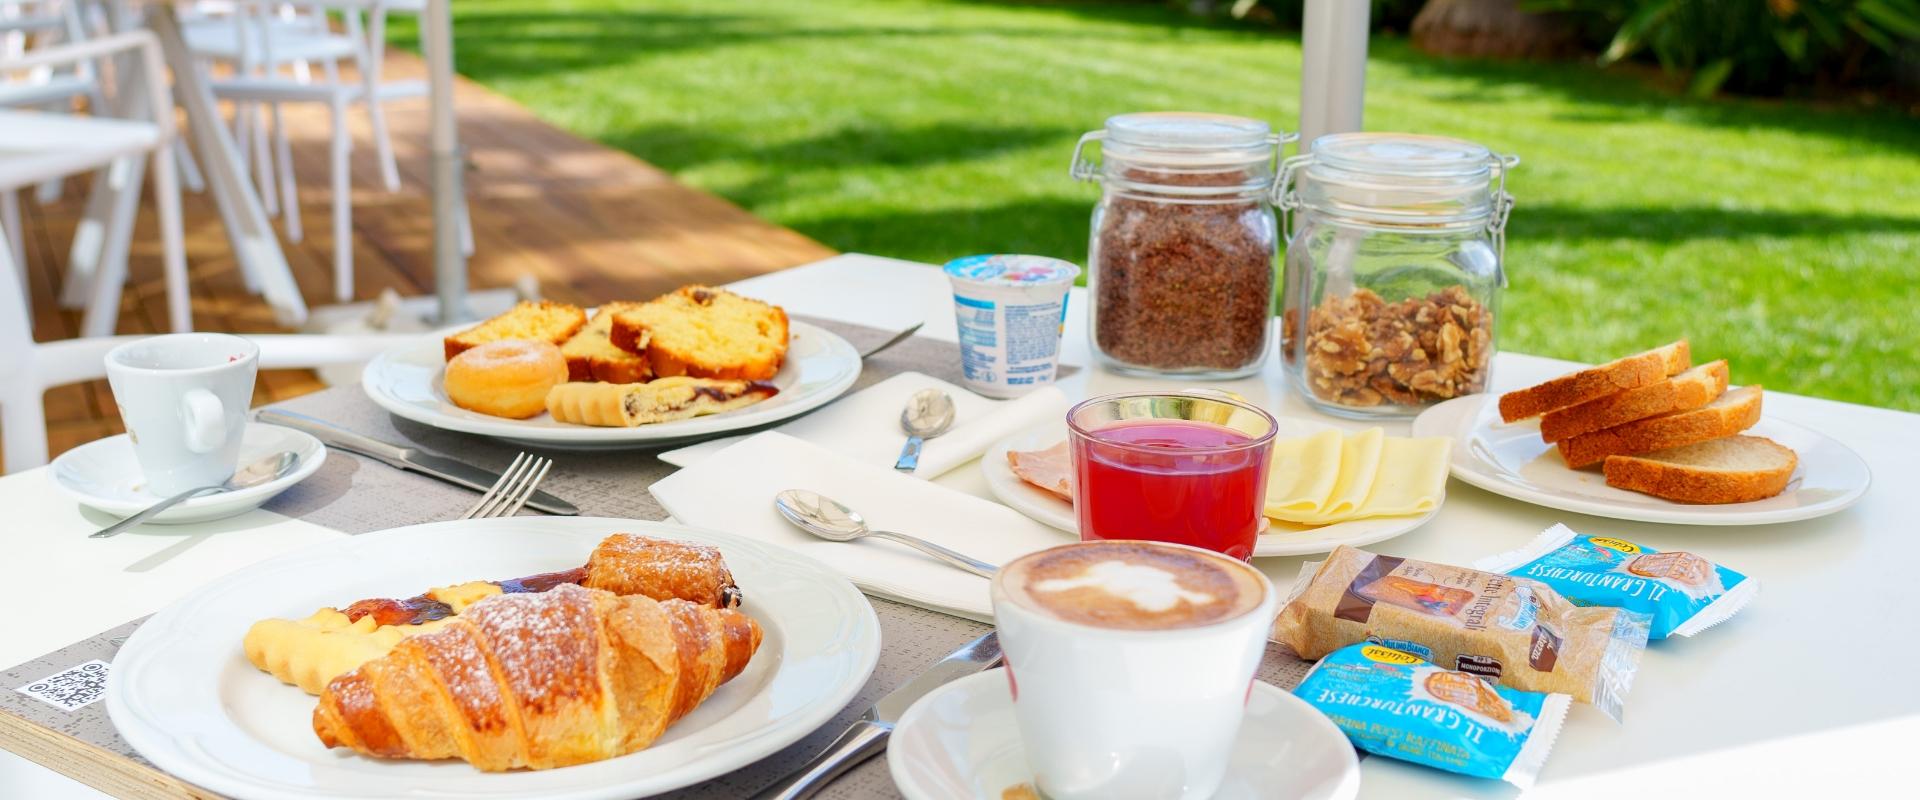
[449,263]
[1333,67]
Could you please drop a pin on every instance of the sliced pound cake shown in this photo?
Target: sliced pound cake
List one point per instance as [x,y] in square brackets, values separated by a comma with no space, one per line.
[1688,390]
[591,355]
[706,333]
[543,321]
[1737,469]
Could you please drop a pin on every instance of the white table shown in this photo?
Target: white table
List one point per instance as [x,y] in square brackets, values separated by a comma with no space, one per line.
[1808,691]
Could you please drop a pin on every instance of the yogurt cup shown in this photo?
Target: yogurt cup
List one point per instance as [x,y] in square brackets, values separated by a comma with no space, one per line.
[1010,310]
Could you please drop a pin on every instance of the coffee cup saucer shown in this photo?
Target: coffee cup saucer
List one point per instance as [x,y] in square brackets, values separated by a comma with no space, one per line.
[961,741]
[103,475]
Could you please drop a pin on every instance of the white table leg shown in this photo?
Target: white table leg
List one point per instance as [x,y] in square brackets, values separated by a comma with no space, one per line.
[253,239]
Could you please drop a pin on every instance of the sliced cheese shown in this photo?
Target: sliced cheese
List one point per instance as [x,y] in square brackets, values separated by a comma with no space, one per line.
[1412,477]
[1359,461]
[1302,474]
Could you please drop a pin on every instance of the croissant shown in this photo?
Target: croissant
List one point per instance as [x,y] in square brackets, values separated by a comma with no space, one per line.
[539,680]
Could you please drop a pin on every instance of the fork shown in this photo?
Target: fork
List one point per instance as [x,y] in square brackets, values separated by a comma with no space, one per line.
[511,491]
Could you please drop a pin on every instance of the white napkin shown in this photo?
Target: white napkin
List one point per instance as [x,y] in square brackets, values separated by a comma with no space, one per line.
[865,426]
[733,490]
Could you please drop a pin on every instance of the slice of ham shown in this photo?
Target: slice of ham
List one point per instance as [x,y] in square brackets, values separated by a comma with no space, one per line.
[1049,469]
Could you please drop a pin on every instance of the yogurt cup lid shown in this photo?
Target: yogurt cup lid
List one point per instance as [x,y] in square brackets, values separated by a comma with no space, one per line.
[1013,270]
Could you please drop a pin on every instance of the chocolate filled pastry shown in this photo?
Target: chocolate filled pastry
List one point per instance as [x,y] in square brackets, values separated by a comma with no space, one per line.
[627,405]
[1515,631]
[538,681]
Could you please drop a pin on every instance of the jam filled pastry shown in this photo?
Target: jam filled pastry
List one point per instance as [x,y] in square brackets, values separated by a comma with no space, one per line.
[1467,691]
[627,405]
[538,681]
[662,569]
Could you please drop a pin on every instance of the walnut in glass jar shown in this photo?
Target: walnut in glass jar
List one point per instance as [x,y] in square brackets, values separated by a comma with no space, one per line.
[1362,351]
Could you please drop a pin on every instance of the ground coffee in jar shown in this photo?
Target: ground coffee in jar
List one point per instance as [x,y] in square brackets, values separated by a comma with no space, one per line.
[1182,258]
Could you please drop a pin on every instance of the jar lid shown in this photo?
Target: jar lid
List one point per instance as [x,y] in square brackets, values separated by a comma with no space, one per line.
[1188,139]
[1402,178]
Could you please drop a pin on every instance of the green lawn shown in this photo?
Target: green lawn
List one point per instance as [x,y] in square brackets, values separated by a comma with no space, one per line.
[1782,237]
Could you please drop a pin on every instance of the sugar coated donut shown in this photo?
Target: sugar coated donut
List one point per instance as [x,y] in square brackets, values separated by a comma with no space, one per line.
[507,378]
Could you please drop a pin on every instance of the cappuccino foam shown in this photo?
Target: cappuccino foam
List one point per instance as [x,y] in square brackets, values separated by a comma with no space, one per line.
[1132,585]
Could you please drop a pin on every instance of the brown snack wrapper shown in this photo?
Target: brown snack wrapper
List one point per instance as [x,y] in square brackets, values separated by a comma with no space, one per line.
[1515,631]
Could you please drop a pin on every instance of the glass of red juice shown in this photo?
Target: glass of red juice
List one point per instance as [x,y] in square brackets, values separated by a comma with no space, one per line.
[1171,467]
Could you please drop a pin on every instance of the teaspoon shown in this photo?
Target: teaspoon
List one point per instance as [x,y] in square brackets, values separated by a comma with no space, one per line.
[259,472]
[929,413]
[824,517]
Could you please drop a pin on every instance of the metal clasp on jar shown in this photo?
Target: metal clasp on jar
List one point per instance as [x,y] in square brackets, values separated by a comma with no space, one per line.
[1086,170]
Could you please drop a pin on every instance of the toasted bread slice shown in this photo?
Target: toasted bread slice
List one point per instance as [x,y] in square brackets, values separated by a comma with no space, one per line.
[1737,469]
[1631,372]
[1734,412]
[591,355]
[706,333]
[1688,390]
[544,321]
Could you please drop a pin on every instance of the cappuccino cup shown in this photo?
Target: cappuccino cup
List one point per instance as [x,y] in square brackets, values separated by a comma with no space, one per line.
[184,399]
[1130,663]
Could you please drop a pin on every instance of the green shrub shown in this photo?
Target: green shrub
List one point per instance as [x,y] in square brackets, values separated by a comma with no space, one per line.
[1755,46]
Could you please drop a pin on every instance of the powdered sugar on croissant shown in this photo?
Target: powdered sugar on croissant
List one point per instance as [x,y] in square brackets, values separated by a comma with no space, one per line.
[543,680]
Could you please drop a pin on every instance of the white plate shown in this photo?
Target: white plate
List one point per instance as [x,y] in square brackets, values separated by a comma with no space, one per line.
[1279,539]
[961,741]
[1511,460]
[103,475]
[408,381]
[182,693]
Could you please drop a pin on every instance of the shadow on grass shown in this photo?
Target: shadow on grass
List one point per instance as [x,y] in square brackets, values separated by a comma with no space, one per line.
[1555,222]
[679,147]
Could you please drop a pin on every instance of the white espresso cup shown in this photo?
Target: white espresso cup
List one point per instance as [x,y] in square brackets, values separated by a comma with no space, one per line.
[1130,664]
[184,399]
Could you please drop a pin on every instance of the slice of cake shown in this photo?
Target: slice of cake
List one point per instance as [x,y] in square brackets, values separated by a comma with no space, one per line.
[1688,390]
[591,355]
[1737,469]
[543,321]
[1619,375]
[706,333]
[1734,412]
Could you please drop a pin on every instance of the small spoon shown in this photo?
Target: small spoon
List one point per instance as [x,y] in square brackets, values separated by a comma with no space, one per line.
[266,469]
[929,413]
[823,517]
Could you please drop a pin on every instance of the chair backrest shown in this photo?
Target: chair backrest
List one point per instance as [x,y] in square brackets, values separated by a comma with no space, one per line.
[29,24]
[16,335]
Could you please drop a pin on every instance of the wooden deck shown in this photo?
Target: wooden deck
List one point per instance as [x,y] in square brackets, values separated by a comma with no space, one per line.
[589,222]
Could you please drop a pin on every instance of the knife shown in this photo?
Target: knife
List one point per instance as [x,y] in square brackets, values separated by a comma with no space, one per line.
[411,459]
[868,736]
[897,338]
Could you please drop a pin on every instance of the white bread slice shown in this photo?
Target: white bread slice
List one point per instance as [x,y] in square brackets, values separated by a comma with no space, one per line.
[1688,390]
[1737,469]
[1633,371]
[1734,412]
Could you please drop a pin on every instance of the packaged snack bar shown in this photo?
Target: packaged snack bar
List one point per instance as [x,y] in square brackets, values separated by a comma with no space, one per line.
[1393,703]
[1683,593]
[1514,631]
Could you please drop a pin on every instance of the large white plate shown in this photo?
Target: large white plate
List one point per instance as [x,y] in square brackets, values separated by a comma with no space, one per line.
[1511,460]
[961,741]
[408,381]
[1279,539]
[182,693]
[104,475]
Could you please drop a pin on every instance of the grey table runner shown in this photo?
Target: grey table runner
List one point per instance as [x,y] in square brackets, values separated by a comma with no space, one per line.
[356,495]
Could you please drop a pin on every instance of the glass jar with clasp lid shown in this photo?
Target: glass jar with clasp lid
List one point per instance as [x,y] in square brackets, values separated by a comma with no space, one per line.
[1393,278]
[1182,260]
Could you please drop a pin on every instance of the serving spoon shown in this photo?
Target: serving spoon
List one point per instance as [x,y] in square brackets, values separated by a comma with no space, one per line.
[826,518]
[266,469]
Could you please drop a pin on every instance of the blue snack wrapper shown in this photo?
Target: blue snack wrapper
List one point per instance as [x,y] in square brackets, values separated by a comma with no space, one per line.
[1682,592]
[1393,703]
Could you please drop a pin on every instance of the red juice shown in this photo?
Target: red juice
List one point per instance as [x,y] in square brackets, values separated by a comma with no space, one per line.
[1168,480]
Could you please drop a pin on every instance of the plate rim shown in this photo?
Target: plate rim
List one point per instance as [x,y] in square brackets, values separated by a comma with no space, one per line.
[175,759]
[911,788]
[994,472]
[1458,419]
[592,436]
[192,509]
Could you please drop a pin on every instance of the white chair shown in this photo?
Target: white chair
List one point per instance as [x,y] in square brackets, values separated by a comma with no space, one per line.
[29,369]
[41,146]
[23,24]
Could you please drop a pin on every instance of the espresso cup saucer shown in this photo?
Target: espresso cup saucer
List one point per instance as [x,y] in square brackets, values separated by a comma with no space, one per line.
[961,741]
[103,475]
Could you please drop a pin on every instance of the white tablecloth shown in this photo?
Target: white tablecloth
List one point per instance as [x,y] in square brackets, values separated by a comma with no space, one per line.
[1805,692]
